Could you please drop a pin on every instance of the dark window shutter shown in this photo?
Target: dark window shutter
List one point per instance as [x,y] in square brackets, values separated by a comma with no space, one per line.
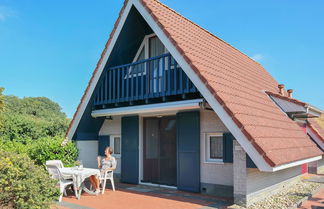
[103,142]
[130,151]
[228,147]
[188,151]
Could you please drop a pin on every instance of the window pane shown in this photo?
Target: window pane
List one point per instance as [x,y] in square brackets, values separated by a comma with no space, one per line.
[156,47]
[141,55]
[216,147]
[117,145]
[139,68]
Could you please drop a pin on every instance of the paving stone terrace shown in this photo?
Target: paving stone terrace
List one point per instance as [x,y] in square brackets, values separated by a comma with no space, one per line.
[141,197]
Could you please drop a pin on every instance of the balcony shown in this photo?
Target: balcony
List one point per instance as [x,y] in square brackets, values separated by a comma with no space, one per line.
[145,81]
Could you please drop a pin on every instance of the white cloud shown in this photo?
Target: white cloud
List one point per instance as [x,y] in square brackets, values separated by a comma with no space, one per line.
[257,57]
[5,13]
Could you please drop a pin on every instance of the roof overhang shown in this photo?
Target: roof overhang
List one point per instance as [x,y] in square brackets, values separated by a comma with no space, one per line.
[314,135]
[159,108]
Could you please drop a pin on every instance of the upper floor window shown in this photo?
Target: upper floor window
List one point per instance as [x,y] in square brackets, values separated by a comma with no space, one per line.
[151,47]
[156,47]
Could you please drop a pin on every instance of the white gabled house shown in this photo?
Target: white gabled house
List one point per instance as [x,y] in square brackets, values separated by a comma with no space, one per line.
[183,108]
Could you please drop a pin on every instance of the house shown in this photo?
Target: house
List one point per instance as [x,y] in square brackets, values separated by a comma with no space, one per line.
[315,131]
[304,115]
[184,109]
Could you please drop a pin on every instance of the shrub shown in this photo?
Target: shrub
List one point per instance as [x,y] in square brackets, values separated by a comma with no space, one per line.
[24,184]
[48,148]
[52,149]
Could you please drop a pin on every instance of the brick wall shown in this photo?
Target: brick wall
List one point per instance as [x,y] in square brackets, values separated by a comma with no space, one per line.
[239,174]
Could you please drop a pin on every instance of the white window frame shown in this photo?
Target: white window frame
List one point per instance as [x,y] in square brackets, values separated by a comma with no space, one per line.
[145,45]
[207,150]
[112,144]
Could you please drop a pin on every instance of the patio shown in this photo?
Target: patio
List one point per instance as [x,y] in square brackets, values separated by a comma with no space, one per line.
[141,197]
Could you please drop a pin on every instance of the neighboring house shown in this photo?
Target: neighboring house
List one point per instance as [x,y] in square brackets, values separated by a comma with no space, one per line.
[315,131]
[303,114]
[183,108]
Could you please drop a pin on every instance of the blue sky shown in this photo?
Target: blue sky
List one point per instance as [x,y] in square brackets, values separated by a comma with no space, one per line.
[50,48]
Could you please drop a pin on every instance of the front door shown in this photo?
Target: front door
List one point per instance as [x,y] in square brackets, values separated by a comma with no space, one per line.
[159,157]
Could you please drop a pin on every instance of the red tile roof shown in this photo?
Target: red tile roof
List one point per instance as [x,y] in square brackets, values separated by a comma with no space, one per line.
[316,127]
[237,82]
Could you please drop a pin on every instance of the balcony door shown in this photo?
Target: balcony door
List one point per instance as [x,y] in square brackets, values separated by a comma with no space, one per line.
[159,157]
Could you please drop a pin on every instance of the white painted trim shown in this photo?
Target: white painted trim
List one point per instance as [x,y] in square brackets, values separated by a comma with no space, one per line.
[293,164]
[146,45]
[99,72]
[318,141]
[207,148]
[150,108]
[158,185]
[216,106]
[314,111]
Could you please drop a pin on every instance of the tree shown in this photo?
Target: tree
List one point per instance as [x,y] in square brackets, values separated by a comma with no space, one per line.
[2,104]
[32,118]
[2,100]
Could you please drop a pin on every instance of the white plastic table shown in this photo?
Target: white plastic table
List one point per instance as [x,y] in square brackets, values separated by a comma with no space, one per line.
[79,175]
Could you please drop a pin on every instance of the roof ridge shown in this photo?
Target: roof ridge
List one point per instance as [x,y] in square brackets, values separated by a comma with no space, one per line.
[210,33]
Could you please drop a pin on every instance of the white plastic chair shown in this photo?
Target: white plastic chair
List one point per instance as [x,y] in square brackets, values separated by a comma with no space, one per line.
[104,179]
[55,173]
[57,163]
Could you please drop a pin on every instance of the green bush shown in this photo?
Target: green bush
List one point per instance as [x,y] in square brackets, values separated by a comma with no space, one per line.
[51,149]
[18,126]
[24,184]
[48,148]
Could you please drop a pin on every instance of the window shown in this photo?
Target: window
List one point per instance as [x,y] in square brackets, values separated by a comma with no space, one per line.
[150,47]
[156,47]
[214,147]
[115,143]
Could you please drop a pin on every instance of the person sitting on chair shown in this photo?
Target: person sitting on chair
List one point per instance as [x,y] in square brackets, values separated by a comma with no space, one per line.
[107,163]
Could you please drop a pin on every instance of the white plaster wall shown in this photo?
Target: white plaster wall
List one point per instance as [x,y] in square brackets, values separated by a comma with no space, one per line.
[258,181]
[112,127]
[88,152]
[210,172]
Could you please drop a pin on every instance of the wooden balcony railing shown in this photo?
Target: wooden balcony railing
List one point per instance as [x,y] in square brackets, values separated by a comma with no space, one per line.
[156,77]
